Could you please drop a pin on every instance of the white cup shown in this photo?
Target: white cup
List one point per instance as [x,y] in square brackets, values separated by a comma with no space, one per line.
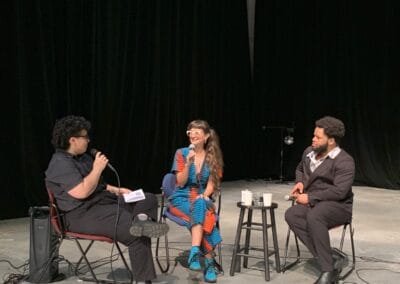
[247,197]
[267,199]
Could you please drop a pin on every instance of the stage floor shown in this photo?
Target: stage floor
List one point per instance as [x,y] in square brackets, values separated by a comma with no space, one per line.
[376,220]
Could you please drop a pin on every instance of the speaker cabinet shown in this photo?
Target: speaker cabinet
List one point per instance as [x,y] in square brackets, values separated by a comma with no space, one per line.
[44,245]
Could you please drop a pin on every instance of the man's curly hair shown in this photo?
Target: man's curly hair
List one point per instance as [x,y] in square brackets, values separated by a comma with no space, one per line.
[68,127]
[333,127]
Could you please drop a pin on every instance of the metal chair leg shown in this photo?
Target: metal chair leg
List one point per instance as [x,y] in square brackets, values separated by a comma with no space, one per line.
[167,265]
[353,263]
[286,266]
[86,260]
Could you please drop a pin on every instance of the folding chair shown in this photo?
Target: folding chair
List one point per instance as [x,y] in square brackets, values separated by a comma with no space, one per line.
[168,187]
[63,234]
[343,275]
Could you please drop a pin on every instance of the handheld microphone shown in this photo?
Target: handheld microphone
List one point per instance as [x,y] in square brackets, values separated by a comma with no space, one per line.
[191,147]
[290,197]
[94,151]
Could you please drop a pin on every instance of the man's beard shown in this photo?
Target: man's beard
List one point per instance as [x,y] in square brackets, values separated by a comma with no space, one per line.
[321,149]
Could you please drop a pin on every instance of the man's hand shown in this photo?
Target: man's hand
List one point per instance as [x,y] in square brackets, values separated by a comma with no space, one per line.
[302,198]
[297,189]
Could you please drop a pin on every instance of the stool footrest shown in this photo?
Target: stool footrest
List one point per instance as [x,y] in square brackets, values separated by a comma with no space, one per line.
[254,229]
[255,224]
[251,255]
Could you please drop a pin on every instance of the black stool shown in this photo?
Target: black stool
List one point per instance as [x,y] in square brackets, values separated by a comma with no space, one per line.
[249,226]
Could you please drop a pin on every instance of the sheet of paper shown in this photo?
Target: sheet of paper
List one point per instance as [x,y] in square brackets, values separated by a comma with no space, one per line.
[134,196]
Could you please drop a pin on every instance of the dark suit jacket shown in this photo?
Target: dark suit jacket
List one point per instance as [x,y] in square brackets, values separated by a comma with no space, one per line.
[332,180]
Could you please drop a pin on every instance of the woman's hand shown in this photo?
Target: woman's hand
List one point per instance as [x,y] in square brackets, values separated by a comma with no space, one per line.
[190,157]
[203,197]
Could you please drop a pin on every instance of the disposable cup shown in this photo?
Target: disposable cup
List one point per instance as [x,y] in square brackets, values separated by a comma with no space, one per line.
[267,199]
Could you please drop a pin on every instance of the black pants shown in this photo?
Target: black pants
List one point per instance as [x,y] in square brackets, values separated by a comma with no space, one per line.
[312,224]
[98,217]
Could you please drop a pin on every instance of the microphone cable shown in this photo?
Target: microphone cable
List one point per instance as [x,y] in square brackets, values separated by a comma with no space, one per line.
[93,152]
[116,221]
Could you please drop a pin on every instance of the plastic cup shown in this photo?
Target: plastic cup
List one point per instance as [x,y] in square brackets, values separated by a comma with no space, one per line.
[267,199]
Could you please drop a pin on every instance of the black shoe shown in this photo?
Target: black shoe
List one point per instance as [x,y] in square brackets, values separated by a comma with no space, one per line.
[144,282]
[328,277]
[148,228]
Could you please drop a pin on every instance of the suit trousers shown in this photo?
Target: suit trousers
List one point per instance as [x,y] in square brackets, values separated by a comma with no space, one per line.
[311,225]
[98,217]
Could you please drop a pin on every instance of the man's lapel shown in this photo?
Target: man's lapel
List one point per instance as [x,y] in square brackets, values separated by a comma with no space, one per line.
[320,171]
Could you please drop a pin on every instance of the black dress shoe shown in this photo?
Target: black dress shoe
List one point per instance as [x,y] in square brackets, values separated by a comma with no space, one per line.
[327,277]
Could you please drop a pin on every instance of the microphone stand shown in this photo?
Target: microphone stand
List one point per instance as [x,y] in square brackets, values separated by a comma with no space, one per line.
[281,164]
[282,128]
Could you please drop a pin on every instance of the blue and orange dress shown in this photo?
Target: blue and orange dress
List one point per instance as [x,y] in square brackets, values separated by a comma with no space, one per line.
[185,204]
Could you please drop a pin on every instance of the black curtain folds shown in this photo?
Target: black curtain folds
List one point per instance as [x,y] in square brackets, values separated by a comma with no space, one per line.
[141,70]
[317,58]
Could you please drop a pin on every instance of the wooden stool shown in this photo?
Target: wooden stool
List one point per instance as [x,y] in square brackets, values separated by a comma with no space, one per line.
[249,226]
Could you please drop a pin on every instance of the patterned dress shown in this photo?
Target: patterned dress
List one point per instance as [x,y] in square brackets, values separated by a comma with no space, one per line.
[183,202]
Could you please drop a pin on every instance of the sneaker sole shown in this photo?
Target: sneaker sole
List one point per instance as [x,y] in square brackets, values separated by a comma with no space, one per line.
[155,230]
[136,231]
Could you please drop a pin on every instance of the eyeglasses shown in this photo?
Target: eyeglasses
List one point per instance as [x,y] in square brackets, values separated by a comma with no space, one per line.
[83,136]
[193,132]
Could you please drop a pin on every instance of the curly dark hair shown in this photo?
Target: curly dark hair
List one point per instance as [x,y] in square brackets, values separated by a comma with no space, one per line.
[333,127]
[67,127]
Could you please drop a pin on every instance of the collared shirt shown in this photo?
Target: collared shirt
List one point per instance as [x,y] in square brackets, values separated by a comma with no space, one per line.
[66,171]
[314,163]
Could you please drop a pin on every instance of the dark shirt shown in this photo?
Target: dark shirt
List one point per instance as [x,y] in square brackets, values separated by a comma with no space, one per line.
[64,173]
[330,181]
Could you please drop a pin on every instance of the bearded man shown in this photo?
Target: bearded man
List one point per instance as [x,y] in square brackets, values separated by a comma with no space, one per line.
[323,193]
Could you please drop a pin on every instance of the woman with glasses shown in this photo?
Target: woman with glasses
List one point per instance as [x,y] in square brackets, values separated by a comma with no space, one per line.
[198,170]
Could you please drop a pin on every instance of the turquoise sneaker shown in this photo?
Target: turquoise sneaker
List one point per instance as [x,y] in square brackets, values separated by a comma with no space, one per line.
[194,259]
[210,274]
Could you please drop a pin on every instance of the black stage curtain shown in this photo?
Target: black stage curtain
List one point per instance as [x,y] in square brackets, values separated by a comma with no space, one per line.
[141,70]
[339,58]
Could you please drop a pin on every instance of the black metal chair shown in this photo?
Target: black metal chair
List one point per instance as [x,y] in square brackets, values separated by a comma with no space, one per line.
[167,188]
[63,234]
[344,274]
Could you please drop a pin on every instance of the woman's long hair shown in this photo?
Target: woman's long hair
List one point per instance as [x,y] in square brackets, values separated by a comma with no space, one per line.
[213,157]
